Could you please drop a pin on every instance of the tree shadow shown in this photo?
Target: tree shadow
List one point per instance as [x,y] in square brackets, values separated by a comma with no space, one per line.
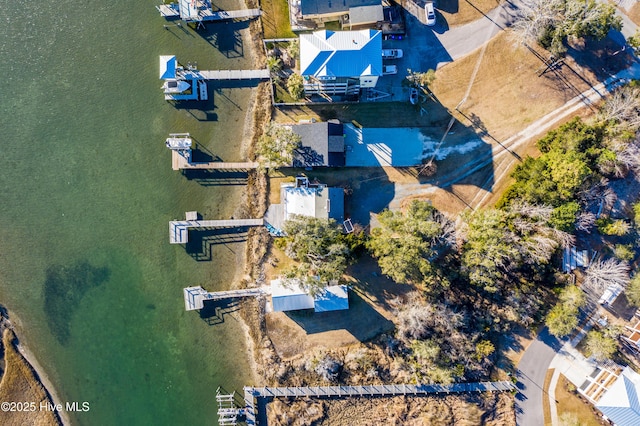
[360,320]
[225,36]
[214,311]
[201,241]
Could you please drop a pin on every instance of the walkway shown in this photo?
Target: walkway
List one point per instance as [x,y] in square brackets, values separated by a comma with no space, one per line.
[250,393]
[179,162]
[194,297]
[262,74]
[179,230]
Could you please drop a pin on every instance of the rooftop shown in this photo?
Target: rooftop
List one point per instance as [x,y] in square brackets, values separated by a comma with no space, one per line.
[322,7]
[288,295]
[322,144]
[330,54]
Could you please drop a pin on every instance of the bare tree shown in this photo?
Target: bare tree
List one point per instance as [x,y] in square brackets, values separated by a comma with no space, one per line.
[602,274]
[623,107]
[534,17]
[585,222]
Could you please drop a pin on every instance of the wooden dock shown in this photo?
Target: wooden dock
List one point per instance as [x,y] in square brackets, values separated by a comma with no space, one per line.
[221,15]
[202,11]
[179,162]
[251,393]
[262,74]
[179,229]
[194,297]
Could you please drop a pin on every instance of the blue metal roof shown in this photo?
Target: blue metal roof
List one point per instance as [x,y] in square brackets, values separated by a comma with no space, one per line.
[620,403]
[341,53]
[168,65]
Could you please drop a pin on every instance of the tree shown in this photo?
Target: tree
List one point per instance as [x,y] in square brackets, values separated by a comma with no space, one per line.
[633,290]
[489,253]
[316,245]
[406,244]
[277,145]
[274,64]
[599,346]
[623,106]
[561,320]
[295,86]
[564,216]
[422,79]
[563,317]
[550,22]
[601,274]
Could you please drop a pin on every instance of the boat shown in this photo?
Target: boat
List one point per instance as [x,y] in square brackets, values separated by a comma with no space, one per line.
[175,86]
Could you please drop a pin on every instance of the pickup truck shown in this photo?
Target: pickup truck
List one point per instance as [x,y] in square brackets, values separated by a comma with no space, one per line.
[391,53]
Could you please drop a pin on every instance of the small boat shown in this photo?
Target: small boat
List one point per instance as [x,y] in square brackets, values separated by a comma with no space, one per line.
[175,86]
[413,96]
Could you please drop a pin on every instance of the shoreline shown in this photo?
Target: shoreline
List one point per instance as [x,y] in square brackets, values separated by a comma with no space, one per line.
[15,324]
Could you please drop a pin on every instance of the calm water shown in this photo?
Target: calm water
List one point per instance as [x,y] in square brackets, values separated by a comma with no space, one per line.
[86,193]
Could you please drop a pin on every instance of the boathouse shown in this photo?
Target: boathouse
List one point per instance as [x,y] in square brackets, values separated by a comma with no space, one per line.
[289,295]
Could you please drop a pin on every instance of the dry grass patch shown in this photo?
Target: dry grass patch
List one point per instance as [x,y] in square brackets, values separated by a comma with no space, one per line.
[275,19]
[570,405]
[20,384]
[460,12]
[508,94]
[634,13]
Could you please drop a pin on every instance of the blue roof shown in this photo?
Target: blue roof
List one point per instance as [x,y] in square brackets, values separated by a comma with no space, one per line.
[168,65]
[341,53]
[332,298]
[620,403]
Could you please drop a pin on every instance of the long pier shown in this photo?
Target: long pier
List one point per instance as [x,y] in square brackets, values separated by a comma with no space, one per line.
[261,74]
[179,162]
[251,393]
[202,11]
[179,229]
[194,297]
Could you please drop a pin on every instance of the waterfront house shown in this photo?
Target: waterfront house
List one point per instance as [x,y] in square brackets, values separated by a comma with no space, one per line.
[305,199]
[340,62]
[353,14]
[322,144]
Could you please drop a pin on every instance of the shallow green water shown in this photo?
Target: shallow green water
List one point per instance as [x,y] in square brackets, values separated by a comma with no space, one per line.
[86,193]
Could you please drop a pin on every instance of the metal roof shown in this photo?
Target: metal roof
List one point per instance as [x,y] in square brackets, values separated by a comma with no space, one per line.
[321,7]
[620,403]
[341,54]
[365,14]
[288,295]
[168,65]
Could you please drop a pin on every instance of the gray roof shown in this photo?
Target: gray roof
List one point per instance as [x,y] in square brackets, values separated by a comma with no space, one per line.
[319,142]
[366,14]
[320,7]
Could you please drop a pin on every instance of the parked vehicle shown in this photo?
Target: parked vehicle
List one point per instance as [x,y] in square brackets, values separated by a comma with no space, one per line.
[392,53]
[389,69]
[413,96]
[431,14]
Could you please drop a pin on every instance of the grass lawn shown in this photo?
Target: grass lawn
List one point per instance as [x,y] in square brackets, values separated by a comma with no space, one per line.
[545,401]
[570,405]
[460,12]
[507,94]
[275,19]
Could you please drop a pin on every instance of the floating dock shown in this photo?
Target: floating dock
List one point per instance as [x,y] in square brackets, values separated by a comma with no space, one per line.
[194,297]
[202,11]
[179,229]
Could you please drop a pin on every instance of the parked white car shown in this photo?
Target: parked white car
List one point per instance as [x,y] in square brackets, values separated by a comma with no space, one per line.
[392,53]
[389,69]
[431,14]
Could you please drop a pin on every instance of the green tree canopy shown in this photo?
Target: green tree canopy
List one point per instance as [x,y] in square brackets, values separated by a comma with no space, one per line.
[406,244]
[600,346]
[295,86]
[317,246]
[277,145]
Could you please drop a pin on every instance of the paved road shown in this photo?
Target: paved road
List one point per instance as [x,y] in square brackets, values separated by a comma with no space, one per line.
[532,370]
